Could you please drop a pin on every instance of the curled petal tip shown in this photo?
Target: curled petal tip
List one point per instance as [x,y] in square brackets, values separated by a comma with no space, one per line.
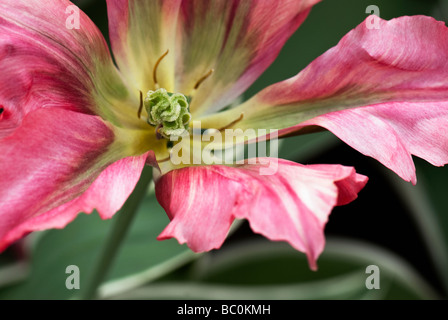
[291,205]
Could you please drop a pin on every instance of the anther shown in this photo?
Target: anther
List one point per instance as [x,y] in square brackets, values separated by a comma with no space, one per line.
[163,160]
[232,123]
[204,77]
[139,113]
[158,134]
[154,72]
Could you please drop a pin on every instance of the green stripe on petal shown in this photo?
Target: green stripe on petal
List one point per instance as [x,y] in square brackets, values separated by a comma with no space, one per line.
[403,61]
[140,32]
[237,39]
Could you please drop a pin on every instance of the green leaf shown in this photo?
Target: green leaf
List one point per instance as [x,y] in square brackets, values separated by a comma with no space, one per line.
[141,258]
[428,204]
[269,270]
[13,272]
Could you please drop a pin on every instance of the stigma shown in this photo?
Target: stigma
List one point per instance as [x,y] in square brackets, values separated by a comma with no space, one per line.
[168,112]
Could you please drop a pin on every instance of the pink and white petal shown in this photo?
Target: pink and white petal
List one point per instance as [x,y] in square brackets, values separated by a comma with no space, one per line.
[39,52]
[291,205]
[113,186]
[107,194]
[398,74]
[200,211]
[238,39]
[53,158]
[393,132]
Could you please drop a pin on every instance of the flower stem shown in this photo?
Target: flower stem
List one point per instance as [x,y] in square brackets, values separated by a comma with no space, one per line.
[117,233]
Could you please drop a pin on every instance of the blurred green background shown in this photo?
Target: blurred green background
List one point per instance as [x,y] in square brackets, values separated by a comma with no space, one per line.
[403,229]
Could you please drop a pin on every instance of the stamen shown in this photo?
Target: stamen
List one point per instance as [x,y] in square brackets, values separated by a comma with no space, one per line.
[163,160]
[204,77]
[158,134]
[139,113]
[233,122]
[154,72]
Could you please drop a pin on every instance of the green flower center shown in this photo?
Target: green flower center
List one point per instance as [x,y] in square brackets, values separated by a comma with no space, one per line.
[168,112]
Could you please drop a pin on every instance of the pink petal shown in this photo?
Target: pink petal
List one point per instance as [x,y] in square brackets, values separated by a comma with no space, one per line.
[38,52]
[107,194]
[55,82]
[292,205]
[52,159]
[406,59]
[238,39]
[393,132]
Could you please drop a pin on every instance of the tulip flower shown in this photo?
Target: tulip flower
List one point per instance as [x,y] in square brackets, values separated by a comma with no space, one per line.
[76,129]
